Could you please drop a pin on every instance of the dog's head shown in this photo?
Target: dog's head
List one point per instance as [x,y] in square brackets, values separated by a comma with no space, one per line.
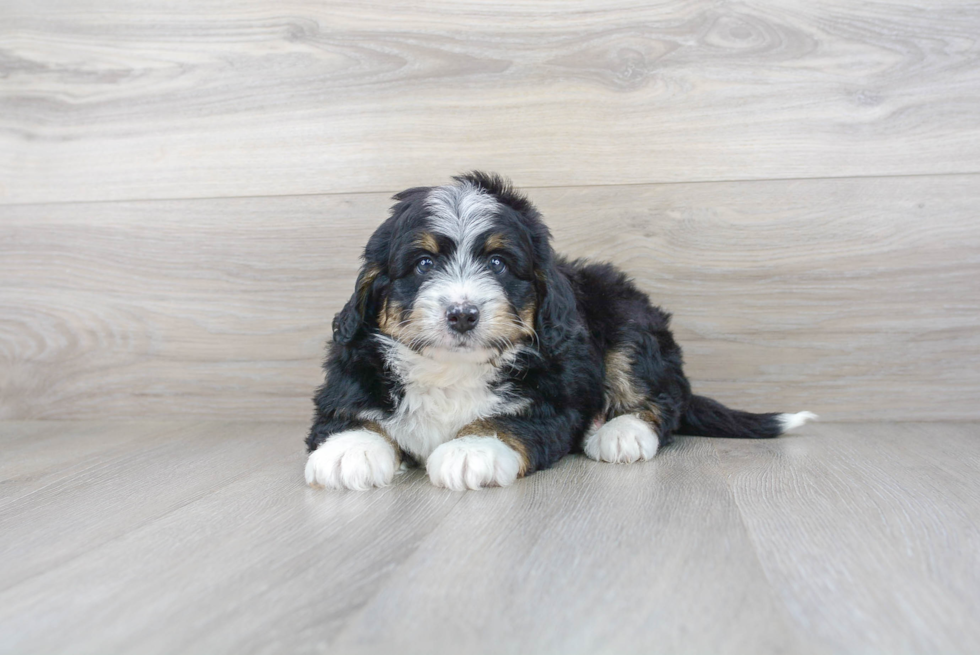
[463,268]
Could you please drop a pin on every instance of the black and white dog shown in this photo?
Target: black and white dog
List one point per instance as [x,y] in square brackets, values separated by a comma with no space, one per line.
[469,346]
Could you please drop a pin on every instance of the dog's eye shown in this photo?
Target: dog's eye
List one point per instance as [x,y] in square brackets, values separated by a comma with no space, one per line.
[424,265]
[496,264]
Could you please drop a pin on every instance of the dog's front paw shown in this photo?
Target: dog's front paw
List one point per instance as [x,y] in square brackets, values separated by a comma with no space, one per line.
[622,440]
[473,463]
[355,459]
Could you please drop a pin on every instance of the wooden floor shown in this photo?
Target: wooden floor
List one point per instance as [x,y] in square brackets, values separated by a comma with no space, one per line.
[192,537]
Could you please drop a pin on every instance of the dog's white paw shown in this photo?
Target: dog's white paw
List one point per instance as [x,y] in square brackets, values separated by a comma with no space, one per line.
[355,459]
[473,463]
[622,440]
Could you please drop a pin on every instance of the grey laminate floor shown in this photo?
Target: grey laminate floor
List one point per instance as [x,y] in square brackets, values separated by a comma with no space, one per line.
[190,537]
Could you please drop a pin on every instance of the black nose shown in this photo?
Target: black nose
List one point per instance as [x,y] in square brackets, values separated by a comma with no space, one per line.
[463,318]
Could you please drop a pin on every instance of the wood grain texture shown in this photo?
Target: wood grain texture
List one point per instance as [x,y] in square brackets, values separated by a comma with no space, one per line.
[93,496]
[855,298]
[200,537]
[586,559]
[208,541]
[126,100]
[43,463]
[851,510]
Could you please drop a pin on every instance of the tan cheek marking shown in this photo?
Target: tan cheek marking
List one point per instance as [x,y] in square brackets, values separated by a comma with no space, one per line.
[389,318]
[503,324]
[412,326]
[527,318]
[490,428]
[392,322]
[513,328]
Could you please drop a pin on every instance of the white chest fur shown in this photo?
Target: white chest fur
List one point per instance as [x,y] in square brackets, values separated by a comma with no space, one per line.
[442,393]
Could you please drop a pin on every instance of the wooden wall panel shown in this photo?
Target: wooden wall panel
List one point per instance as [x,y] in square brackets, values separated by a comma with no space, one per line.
[133,100]
[855,298]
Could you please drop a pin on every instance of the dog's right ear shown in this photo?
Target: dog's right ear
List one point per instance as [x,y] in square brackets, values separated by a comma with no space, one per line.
[372,282]
[361,306]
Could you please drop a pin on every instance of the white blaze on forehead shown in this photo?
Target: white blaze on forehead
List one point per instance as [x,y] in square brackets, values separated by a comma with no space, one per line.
[461,212]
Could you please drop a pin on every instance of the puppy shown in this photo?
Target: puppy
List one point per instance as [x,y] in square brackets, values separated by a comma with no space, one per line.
[470,347]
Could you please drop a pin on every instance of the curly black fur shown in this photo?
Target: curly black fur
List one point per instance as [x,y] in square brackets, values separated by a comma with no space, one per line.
[585,313]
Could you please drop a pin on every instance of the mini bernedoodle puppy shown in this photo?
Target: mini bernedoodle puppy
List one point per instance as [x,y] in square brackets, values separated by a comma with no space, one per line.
[470,347]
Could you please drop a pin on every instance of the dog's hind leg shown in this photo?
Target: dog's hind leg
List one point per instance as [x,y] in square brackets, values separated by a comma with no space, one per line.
[632,426]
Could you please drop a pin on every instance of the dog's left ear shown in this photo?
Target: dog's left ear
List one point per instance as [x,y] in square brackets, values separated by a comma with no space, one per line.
[557,318]
[362,306]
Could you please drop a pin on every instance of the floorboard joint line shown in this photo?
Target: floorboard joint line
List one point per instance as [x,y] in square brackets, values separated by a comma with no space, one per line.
[529,187]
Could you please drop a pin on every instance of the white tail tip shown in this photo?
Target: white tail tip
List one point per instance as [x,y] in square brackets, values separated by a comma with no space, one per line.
[791,421]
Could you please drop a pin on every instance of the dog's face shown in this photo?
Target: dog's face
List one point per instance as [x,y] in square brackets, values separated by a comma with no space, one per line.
[460,269]
[461,275]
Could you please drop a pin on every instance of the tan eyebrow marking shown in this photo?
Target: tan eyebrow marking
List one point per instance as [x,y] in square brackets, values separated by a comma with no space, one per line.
[495,242]
[427,241]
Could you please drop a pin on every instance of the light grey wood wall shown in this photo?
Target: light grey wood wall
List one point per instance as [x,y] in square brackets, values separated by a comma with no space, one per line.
[184,186]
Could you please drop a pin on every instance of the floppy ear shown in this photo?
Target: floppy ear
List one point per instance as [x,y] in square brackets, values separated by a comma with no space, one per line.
[361,308]
[557,319]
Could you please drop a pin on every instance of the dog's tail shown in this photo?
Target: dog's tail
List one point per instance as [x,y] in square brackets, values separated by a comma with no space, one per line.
[705,417]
